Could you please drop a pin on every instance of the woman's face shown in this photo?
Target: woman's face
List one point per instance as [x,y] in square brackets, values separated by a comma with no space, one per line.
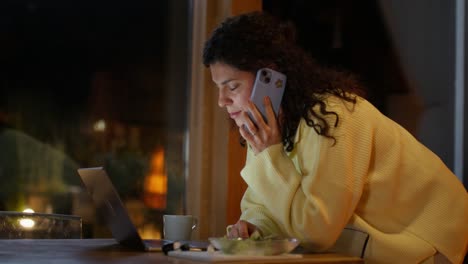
[235,87]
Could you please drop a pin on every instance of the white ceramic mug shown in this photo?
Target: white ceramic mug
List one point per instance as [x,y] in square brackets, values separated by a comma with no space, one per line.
[179,227]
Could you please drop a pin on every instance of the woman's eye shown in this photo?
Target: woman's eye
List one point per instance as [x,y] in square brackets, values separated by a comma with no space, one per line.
[233,87]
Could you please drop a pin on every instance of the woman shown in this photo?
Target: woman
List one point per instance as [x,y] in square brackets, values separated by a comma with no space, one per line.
[330,159]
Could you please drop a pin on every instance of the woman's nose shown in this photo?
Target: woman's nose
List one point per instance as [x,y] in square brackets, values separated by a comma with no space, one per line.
[223,100]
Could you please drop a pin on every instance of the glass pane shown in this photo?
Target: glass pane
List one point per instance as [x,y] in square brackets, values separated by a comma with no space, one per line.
[88,84]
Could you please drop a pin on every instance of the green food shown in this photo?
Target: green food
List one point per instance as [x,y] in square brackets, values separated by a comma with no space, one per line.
[256,235]
[250,246]
[256,244]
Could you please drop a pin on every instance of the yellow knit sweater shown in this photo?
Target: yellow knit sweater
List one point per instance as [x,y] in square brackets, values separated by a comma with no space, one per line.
[377,178]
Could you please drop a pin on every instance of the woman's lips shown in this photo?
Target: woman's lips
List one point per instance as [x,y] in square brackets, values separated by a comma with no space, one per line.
[233,115]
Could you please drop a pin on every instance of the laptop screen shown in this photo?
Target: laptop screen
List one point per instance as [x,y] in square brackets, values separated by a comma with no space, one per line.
[109,207]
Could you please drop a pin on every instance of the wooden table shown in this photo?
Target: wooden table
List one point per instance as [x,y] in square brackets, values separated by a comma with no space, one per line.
[68,251]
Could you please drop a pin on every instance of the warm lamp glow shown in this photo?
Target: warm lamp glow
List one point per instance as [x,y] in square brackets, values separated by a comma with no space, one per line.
[155,184]
[26,222]
[100,126]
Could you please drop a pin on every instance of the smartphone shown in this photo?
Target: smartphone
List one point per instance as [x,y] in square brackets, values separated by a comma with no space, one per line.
[269,83]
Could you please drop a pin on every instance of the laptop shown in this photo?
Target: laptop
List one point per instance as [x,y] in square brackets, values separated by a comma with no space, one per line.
[111,211]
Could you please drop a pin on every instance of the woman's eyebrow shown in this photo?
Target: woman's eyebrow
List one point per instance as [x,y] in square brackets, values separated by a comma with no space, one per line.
[226,81]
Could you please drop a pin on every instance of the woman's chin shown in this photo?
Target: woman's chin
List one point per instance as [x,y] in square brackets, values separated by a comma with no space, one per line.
[233,124]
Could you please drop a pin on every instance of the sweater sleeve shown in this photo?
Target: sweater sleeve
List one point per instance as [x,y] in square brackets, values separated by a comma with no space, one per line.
[311,192]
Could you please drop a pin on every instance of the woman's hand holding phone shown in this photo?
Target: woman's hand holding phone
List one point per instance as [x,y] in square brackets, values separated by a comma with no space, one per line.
[261,128]
[269,83]
[260,133]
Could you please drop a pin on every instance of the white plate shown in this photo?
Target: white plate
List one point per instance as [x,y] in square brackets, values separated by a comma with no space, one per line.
[251,247]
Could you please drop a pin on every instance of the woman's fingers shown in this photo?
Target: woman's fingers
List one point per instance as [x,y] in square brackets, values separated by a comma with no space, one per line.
[240,229]
[246,133]
[256,116]
[248,124]
[254,123]
[270,113]
[257,131]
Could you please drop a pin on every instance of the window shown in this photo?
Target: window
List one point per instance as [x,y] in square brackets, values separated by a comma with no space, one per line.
[89,84]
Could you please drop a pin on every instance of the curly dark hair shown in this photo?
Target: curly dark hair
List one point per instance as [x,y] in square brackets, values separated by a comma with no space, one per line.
[255,40]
